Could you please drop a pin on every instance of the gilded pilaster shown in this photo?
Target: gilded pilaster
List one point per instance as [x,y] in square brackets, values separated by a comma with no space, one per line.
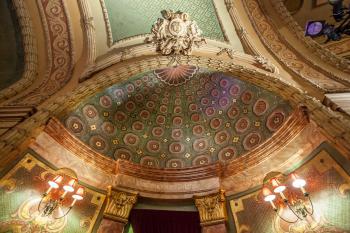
[119,205]
[211,208]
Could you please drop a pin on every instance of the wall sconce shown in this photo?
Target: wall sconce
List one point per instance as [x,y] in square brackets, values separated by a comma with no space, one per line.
[300,205]
[56,196]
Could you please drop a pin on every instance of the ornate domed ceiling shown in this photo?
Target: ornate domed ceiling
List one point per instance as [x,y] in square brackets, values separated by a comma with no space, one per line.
[178,117]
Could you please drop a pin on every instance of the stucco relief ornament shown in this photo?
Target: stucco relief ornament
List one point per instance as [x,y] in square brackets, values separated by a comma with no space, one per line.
[175,34]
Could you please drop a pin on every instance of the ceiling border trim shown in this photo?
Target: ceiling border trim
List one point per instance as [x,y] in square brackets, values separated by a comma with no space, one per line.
[60,55]
[87,22]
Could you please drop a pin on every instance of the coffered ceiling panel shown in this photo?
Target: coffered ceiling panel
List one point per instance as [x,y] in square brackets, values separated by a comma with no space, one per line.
[178,117]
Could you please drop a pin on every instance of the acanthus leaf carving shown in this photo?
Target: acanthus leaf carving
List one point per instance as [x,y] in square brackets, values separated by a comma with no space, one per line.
[211,208]
[119,205]
[175,34]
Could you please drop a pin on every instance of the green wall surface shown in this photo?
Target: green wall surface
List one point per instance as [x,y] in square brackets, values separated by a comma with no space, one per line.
[131,18]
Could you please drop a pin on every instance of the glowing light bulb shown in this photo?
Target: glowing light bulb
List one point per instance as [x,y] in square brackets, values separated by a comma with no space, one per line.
[299,183]
[54,184]
[69,188]
[79,194]
[269,197]
[278,188]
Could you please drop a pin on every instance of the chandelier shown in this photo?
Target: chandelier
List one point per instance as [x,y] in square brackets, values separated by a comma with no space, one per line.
[57,197]
[296,199]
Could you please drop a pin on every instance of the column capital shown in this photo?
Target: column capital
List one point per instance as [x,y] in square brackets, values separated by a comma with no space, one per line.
[212,208]
[119,204]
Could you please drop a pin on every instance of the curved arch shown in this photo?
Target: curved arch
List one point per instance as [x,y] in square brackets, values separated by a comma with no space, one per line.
[30,53]
[334,125]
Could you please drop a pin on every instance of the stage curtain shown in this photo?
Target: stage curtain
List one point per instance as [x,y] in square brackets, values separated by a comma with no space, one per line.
[159,221]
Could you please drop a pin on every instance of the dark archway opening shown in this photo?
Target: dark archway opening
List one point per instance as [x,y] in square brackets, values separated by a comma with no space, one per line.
[160,221]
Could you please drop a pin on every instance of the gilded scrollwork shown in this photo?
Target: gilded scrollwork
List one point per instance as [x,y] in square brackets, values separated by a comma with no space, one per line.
[266,64]
[230,52]
[60,52]
[119,204]
[175,34]
[211,208]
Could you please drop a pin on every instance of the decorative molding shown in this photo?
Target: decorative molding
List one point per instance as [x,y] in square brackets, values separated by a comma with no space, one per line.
[245,38]
[313,46]
[286,54]
[175,34]
[340,48]
[230,52]
[30,53]
[60,52]
[107,23]
[266,64]
[10,116]
[338,102]
[212,208]
[87,22]
[119,205]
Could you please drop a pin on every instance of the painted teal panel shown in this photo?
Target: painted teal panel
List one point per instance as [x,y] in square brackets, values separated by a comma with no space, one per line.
[134,17]
[11,50]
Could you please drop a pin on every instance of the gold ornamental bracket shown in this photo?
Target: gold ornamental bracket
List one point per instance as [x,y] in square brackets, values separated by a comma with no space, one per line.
[175,34]
[119,204]
[212,208]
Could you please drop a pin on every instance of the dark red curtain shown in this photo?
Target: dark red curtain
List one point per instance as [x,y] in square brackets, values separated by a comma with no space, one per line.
[159,221]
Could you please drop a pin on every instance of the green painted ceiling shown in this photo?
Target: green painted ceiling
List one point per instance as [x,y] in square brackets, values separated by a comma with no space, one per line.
[176,117]
[11,51]
[134,17]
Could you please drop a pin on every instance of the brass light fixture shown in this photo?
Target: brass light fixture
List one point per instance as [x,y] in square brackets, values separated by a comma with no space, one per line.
[56,196]
[297,200]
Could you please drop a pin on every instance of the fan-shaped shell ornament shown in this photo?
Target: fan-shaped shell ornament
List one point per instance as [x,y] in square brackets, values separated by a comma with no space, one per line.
[176,75]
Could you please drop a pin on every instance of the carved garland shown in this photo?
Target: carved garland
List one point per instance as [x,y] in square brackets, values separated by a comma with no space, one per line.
[60,51]
[30,52]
